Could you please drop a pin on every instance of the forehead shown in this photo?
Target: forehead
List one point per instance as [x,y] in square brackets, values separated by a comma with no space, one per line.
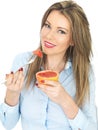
[57,18]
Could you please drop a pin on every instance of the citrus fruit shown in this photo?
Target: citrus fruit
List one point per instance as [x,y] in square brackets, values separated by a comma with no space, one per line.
[38,52]
[47,75]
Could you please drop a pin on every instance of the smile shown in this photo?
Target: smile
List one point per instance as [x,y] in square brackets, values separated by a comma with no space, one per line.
[49,45]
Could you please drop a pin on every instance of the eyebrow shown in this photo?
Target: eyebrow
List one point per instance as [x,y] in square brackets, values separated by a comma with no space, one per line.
[59,27]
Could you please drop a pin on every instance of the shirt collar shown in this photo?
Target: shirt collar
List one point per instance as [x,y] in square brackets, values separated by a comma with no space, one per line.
[68,64]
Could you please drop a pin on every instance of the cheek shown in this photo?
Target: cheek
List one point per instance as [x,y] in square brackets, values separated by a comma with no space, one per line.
[41,36]
[63,45]
[43,32]
[64,42]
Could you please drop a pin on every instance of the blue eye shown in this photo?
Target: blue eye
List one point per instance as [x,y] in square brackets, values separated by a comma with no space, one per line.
[47,25]
[61,32]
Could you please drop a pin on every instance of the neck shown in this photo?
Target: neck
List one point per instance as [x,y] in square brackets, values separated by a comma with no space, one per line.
[55,64]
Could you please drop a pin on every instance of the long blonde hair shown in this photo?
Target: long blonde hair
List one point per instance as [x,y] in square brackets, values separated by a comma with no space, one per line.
[79,53]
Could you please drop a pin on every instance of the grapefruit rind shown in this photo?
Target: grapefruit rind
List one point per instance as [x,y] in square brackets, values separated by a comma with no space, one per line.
[47,75]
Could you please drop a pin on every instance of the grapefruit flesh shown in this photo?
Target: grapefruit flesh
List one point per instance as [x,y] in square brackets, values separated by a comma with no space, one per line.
[47,75]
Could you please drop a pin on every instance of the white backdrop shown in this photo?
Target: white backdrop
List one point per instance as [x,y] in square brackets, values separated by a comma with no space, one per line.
[19,31]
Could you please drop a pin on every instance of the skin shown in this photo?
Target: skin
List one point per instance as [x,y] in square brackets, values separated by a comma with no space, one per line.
[14,86]
[56,31]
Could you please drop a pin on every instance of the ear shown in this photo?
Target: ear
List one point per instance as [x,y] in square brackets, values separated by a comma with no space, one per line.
[71,44]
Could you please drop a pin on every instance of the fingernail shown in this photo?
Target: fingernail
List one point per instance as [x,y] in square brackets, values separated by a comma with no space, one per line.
[42,81]
[21,69]
[7,75]
[11,72]
[37,85]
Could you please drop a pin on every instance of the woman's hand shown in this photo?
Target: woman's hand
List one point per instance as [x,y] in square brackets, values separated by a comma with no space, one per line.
[14,81]
[56,92]
[14,84]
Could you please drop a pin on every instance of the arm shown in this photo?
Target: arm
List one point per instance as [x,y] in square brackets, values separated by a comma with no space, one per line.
[87,116]
[7,113]
[83,118]
[9,110]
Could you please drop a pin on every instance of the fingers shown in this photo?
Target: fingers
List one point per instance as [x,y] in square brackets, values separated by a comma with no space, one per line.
[14,81]
[18,78]
[9,78]
[49,84]
[51,87]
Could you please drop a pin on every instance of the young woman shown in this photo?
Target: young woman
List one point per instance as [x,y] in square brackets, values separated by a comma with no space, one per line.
[67,104]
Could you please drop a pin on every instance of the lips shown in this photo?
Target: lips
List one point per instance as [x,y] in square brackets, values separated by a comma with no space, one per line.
[49,45]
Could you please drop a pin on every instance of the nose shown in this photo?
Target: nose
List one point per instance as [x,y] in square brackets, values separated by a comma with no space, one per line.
[50,34]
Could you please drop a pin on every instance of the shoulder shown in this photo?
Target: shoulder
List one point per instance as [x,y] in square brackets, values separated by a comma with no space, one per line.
[20,60]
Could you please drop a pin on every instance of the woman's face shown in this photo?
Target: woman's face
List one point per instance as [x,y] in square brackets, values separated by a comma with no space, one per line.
[55,34]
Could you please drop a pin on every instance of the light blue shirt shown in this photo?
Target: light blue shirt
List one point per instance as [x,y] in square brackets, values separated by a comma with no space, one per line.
[38,112]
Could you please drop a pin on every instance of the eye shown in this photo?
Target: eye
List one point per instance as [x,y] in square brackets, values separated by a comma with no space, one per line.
[61,32]
[47,25]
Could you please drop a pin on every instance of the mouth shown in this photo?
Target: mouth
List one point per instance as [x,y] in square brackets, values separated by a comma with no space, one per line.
[49,45]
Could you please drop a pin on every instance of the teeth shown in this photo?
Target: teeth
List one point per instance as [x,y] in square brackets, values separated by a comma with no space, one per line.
[49,44]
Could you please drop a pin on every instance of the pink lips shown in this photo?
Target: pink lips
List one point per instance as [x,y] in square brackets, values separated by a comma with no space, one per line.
[49,45]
